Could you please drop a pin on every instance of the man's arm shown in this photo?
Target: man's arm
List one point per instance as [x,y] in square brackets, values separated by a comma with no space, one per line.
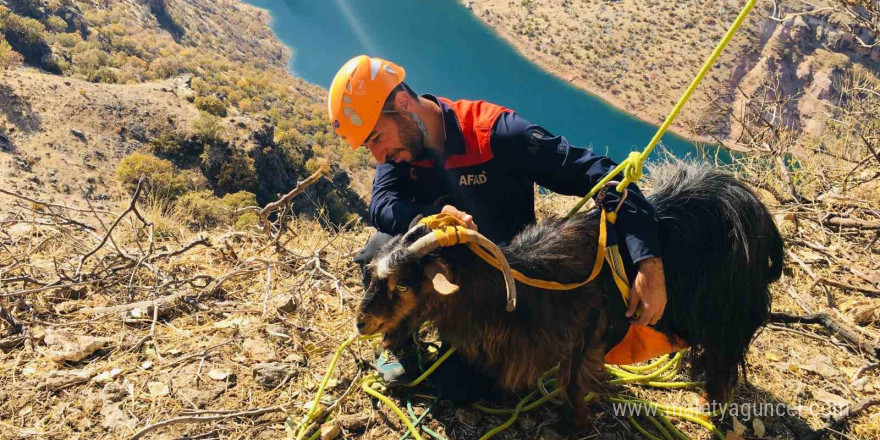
[569,170]
[392,205]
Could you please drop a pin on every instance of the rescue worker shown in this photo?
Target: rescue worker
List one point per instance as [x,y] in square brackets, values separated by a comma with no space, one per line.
[479,162]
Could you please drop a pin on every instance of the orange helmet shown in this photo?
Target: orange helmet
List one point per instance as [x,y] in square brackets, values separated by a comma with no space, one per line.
[357,94]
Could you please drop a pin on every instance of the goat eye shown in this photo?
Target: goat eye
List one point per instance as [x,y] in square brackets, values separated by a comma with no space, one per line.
[402,288]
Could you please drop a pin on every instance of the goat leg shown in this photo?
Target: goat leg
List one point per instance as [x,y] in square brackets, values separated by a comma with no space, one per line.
[580,374]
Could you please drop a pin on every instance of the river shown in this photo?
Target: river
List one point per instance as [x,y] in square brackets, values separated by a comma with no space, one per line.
[447,51]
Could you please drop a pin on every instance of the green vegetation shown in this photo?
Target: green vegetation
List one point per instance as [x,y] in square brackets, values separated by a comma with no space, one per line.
[212,105]
[8,56]
[160,177]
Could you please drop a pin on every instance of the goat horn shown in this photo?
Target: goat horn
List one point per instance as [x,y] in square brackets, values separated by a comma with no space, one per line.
[430,242]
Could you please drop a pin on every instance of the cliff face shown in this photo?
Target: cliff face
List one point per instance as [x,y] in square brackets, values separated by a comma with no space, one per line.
[202,84]
[641,56]
[803,63]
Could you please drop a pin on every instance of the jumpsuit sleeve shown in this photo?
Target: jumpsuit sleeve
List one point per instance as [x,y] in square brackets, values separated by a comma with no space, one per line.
[393,203]
[566,169]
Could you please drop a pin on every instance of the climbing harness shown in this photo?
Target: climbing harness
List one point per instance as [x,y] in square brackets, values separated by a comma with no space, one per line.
[658,373]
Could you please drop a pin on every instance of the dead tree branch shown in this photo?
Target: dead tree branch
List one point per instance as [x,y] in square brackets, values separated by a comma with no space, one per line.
[131,208]
[196,419]
[285,199]
[832,325]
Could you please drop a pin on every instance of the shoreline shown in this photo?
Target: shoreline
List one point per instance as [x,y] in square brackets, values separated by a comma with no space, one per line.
[555,69]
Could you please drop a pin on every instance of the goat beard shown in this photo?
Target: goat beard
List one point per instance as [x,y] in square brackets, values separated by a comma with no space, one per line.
[397,336]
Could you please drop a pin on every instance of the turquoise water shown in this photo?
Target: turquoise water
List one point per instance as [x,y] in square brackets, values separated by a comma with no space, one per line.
[449,52]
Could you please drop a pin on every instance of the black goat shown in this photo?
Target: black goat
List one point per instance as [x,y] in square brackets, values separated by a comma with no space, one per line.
[721,250]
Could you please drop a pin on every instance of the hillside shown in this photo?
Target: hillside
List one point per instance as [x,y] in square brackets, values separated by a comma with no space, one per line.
[143,297]
[641,55]
[173,79]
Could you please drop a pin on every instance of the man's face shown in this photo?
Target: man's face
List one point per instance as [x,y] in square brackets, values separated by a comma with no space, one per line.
[396,138]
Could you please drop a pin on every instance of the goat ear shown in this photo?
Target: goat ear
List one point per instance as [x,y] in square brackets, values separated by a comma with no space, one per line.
[439,275]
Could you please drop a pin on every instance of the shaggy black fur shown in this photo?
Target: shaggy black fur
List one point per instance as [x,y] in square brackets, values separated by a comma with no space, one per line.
[720,251]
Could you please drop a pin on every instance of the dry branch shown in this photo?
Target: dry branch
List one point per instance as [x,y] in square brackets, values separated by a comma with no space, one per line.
[848,222]
[131,208]
[832,325]
[210,288]
[196,419]
[285,199]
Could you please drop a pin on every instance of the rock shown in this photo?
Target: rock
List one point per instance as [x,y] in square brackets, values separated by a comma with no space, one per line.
[56,380]
[822,365]
[189,390]
[284,302]
[76,418]
[526,423]
[221,375]
[800,31]
[831,399]
[467,416]
[75,20]
[330,430]
[859,384]
[258,350]
[158,389]
[804,71]
[270,375]
[115,419]
[6,144]
[548,434]
[78,134]
[353,422]
[70,347]
[114,392]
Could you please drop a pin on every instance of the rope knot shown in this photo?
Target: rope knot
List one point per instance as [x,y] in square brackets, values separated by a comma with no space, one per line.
[446,227]
[633,170]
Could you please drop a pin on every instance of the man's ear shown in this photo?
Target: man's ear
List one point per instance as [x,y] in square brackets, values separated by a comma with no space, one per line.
[402,101]
[439,274]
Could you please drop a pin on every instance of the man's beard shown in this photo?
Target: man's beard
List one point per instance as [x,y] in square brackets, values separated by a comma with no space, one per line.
[411,138]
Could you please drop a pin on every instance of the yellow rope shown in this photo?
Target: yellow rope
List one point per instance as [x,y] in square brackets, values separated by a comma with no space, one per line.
[447,229]
[632,167]
[367,386]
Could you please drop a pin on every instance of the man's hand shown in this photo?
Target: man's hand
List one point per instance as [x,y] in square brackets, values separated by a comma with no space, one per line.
[461,215]
[648,293]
